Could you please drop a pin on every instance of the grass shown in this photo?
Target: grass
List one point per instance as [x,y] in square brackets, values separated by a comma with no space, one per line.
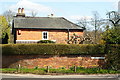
[79,70]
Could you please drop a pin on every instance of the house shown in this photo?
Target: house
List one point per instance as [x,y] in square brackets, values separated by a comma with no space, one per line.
[33,29]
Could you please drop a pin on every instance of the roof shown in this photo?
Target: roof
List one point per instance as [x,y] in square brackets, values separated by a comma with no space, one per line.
[44,23]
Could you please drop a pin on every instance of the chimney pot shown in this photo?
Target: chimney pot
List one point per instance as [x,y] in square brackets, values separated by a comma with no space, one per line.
[19,10]
[52,14]
[22,10]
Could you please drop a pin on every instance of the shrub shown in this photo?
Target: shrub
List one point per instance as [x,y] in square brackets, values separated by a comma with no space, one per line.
[113,57]
[53,49]
[45,41]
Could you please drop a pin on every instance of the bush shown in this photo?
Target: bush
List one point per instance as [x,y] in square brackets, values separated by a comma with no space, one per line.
[53,49]
[113,57]
[45,41]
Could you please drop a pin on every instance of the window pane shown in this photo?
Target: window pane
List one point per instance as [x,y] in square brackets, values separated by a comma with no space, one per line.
[44,33]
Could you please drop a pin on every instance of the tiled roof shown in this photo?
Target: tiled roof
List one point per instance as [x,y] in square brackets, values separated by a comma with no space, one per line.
[44,23]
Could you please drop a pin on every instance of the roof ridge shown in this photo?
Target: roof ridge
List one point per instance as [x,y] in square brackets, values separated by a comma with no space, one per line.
[42,17]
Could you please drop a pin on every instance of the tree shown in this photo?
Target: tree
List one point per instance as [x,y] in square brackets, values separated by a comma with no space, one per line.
[83,23]
[112,39]
[111,36]
[96,22]
[114,18]
[5,29]
[33,13]
[9,16]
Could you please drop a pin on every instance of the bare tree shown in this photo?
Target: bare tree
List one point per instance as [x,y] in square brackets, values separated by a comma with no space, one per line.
[83,22]
[9,16]
[114,18]
[33,13]
[96,23]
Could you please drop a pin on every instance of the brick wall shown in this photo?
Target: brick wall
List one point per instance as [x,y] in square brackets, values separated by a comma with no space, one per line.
[31,61]
[36,34]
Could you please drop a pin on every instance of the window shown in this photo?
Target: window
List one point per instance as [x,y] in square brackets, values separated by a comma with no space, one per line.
[44,35]
[19,32]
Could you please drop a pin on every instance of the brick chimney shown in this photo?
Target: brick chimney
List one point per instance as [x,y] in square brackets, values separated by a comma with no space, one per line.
[20,12]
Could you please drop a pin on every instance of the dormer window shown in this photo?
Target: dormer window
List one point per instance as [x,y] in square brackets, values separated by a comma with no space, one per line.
[45,35]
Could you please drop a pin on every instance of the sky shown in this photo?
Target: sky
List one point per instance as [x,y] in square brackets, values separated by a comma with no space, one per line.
[73,10]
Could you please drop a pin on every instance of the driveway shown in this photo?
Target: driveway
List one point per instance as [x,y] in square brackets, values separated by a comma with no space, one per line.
[59,77]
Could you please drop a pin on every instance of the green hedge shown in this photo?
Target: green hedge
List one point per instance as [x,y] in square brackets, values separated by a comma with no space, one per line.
[45,41]
[53,49]
[113,57]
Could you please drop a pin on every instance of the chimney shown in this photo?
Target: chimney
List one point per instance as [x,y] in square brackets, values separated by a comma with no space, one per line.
[22,10]
[52,15]
[19,10]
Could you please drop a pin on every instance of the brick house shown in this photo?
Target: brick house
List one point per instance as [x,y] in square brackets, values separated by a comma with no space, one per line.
[32,29]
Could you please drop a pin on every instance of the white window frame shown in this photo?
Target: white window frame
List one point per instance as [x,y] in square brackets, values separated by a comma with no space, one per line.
[43,35]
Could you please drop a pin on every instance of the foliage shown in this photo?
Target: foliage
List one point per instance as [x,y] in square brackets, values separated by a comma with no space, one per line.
[23,70]
[61,71]
[36,67]
[9,18]
[112,36]
[46,41]
[4,28]
[76,39]
[113,57]
[53,49]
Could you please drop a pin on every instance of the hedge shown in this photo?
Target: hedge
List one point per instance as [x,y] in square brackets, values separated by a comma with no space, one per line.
[45,41]
[53,49]
[113,57]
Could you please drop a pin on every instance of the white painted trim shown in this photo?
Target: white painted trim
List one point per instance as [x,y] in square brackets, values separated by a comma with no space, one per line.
[53,40]
[97,57]
[47,35]
[27,40]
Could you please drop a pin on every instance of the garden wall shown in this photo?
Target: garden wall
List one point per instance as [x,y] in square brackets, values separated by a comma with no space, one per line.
[42,61]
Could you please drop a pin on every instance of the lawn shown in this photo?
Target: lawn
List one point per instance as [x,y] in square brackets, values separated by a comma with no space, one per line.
[79,70]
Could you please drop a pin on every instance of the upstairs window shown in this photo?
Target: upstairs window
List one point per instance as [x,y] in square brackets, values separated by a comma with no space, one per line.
[44,35]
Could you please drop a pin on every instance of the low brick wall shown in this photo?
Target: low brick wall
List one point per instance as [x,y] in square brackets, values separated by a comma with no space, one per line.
[42,61]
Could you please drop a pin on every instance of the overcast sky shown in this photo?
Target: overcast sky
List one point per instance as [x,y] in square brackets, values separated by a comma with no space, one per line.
[70,9]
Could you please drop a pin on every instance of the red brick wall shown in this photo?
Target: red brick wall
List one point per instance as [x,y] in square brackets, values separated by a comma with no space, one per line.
[31,61]
[35,34]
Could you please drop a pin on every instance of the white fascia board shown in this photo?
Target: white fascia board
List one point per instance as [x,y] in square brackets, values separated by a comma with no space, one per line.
[97,57]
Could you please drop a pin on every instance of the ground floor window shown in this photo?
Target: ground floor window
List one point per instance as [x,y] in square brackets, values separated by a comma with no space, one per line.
[45,35]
